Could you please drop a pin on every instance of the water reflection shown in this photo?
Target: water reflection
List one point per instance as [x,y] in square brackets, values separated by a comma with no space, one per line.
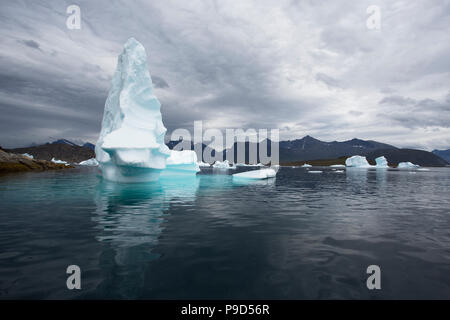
[131,214]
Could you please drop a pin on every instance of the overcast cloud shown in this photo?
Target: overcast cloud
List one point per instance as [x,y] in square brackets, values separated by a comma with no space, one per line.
[305,67]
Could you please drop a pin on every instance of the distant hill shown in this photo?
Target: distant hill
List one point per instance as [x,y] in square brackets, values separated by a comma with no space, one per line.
[89,145]
[444,154]
[59,150]
[309,148]
[420,157]
[295,152]
[65,141]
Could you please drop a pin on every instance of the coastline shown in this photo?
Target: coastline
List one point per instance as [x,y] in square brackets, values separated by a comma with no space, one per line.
[12,162]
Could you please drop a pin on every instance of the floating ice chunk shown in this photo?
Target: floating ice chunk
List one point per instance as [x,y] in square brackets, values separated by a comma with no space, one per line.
[256,174]
[28,155]
[423,169]
[180,163]
[407,165]
[131,144]
[59,161]
[337,166]
[306,165]
[89,162]
[381,162]
[221,165]
[315,171]
[243,165]
[202,164]
[339,171]
[357,161]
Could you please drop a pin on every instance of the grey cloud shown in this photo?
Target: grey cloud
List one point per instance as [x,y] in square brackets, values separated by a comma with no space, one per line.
[31,43]
[159,82]
[411,113]
[329,81]
[225,66]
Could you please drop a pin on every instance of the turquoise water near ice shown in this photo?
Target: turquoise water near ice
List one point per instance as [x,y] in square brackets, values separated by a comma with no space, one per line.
[299,236]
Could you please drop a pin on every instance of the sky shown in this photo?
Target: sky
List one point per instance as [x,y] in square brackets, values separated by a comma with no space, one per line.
[304,67]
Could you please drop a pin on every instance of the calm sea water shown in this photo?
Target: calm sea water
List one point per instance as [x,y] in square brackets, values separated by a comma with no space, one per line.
[300,236]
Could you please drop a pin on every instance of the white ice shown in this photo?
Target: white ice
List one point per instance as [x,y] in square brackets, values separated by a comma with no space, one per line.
[202,164]
[221,165]
[256,174]
[181,163]
[407,165]
[59,161]
[381,162]
[357,161]
[131,145]
[337,166]
[306,165]
[315,171]
[28,155]
[89,162]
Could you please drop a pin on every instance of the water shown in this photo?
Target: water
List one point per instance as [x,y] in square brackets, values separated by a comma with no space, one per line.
[301,236]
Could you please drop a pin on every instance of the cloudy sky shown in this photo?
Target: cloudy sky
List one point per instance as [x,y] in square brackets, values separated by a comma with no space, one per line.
[305,67]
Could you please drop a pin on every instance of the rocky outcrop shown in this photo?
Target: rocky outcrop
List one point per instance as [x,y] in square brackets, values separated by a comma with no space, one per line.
[11,162]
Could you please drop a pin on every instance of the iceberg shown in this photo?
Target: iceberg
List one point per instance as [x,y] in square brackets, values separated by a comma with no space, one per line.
[357,161]
[181,162]
[202,164]
[407,165]
[306,165]
[131,147]
[381,162]
[337,166]
[89,162]
[315,171]
[221,165]
[256,174]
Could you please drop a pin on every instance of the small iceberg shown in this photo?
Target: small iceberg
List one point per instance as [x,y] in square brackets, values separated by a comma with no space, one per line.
[202,164]
[381,162]
[306,165]
[339,171]
[221,164]
[337,166]
[59,161]
[28,155]
[357,162]
[256,174]
[315,171]
[407,165]
[89,162]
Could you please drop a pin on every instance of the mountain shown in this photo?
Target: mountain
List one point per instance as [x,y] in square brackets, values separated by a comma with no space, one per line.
[89,145]
[444,154]
[420,157]
[64,141]
[309,148]
[62,150]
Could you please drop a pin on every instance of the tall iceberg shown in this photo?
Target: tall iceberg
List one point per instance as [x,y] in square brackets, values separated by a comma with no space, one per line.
[131,146]
[381,162]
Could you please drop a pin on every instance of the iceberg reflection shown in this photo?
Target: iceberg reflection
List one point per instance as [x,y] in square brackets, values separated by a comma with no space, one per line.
[130,215]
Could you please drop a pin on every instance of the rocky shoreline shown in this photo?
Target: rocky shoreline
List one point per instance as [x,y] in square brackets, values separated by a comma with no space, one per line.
[12,162]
